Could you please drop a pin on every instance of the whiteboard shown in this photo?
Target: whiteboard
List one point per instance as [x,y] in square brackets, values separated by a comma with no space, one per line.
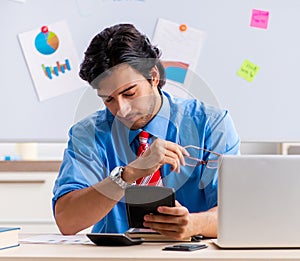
[265,109]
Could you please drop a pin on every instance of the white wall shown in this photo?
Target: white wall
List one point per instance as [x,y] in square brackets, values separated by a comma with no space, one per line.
[229,40]
[37,151]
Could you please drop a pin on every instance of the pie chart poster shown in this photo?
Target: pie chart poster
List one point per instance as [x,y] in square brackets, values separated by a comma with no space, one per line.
[51,59]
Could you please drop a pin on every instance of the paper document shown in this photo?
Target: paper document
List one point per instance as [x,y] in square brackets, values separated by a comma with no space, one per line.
[57,239]
[52,60]
[180,48]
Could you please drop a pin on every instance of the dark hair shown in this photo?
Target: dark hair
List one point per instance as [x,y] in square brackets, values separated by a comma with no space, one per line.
[118,44]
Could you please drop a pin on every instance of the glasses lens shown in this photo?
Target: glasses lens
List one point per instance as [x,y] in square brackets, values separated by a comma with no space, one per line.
[191,161]
[212,164]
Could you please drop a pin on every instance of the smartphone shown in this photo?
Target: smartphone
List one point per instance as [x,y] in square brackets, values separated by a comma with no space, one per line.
[143,200]
[185,247]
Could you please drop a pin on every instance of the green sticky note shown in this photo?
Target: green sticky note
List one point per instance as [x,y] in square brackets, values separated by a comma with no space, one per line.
[248,70]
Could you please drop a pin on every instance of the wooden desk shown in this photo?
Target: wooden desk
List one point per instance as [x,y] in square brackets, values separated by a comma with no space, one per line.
[144,252]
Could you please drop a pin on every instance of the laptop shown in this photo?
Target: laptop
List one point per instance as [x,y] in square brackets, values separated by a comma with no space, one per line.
[259,201]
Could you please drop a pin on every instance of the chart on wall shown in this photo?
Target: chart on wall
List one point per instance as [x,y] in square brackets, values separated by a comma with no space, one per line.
[51,60]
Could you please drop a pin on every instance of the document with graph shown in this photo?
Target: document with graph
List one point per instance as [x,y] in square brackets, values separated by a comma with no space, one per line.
[51,59]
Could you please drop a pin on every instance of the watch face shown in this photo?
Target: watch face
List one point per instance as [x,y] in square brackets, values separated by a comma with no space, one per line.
[116,172]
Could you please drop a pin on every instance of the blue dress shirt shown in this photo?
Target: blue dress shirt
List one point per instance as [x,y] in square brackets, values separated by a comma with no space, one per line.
[99,143]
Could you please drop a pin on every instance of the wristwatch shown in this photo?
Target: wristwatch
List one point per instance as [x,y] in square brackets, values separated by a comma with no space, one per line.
[116,176]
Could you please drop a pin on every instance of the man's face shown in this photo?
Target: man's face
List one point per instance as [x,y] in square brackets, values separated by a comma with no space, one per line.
[129,96]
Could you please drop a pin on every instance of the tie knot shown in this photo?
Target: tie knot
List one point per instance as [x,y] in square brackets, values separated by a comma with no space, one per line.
[143,137]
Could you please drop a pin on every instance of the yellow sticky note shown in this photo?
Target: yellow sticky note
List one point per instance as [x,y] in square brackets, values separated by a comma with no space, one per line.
[248,70]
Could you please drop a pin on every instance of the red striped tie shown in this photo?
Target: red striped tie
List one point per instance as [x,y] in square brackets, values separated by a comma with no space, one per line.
[155,178]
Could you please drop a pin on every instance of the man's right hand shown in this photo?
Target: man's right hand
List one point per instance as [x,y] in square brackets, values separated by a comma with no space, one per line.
[159,153]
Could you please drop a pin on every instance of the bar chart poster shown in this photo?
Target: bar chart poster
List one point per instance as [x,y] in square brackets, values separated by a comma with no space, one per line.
[51,59]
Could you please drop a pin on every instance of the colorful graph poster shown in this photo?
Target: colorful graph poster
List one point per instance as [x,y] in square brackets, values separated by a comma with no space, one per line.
[180,45]
[51,59]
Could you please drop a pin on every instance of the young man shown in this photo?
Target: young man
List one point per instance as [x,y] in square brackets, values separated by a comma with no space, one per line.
[101,160]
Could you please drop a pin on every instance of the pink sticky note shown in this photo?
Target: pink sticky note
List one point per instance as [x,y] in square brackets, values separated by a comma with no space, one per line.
[259,19]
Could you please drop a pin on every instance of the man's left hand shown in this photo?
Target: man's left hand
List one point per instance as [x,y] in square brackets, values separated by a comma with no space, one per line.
[175,222]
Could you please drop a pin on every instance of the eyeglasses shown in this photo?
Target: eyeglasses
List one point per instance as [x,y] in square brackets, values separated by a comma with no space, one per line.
[194,162]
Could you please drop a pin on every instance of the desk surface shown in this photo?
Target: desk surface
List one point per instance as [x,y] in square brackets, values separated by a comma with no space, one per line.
[144,252]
